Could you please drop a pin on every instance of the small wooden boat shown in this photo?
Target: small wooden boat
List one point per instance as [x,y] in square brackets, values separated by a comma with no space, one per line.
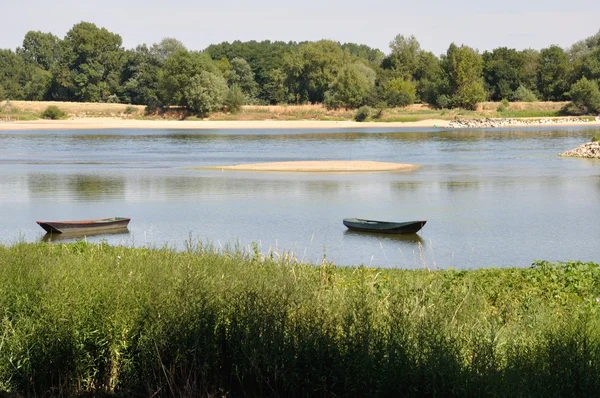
[97,225]
[385,227]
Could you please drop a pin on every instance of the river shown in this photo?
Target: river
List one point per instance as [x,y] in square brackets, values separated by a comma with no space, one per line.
[497,197]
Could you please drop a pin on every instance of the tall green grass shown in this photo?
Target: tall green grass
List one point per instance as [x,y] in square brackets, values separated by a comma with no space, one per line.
[91,318]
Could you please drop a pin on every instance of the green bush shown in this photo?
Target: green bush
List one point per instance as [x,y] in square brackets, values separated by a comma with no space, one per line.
[130,110]
[443,101]
[362,113]
[504,104]
[53,112]
[153,106]
[380,108]
[400,93]
[523,94]
[595,138]
[112,99]
[585,97]
[235,99]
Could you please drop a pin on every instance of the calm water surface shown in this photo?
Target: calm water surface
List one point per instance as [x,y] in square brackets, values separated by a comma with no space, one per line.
[490,197]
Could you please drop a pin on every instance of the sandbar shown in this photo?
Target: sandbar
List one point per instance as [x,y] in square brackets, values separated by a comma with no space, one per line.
[313,166]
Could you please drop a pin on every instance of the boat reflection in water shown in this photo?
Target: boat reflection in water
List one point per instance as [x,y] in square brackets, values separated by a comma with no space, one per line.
[404,238]
[52,237]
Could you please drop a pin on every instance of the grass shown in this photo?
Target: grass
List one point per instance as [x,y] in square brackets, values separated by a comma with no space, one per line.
[9,113]
[91,318]
[29,110]
[77,109]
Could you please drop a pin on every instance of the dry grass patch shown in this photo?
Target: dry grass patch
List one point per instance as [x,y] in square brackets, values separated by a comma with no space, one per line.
[79,109]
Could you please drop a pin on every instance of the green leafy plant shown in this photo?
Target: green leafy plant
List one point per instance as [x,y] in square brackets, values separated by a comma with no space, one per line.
[53,112]
[362,113]
[524,94]
[130,110]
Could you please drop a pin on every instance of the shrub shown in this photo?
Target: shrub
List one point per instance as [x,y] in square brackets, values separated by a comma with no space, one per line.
[585,97]
[362,113]
[53,112]
[112,99]
[595,138]
[444,102]
[524,94]
[153,106]
[399,92]
[130,110]
[379,109]
[235,99]
[205,93]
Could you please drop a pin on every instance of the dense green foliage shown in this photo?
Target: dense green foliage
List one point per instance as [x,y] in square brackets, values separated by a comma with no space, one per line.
[93,318]
[53,112]
[585,97]
[90,64]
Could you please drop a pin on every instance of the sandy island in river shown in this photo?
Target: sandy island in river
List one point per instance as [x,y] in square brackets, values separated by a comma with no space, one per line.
[317,166]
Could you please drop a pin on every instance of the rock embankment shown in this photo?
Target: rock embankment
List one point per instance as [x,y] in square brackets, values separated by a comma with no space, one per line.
[498,123]
[590,150]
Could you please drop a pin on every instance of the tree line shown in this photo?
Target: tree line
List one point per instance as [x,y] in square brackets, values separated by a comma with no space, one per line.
[90,64]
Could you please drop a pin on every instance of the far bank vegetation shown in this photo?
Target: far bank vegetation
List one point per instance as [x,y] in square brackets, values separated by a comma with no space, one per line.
[90,65]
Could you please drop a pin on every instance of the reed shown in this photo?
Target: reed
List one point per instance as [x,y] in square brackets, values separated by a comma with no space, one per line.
[92,318]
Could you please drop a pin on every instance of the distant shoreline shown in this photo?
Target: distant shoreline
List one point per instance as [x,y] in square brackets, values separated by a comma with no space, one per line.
[97,123]
[100,123]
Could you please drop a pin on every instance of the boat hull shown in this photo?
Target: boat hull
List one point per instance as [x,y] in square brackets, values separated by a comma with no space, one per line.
[384,227]
[82,226]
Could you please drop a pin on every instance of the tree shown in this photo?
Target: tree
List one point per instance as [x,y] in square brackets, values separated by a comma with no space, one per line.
[241,74]
[588,65]
[36,83]
[531,61]
[277,88]
[311,69]
[140,77]
[175,76]
[463,67]
[429,77]
[205,93]
[553,73]
[11,75]
[502,72]
[399,92]
[351,87]
[373,55]
[585,97]
[165,48]
[584,47]
[235,99]
[90,68]
[404,57]
[40,49]
[263,57]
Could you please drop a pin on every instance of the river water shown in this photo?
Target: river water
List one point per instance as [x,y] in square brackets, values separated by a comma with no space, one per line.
[490,197]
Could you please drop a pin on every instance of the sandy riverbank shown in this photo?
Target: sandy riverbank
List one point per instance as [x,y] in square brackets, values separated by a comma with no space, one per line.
[100,123]
[317,166]
[116,123]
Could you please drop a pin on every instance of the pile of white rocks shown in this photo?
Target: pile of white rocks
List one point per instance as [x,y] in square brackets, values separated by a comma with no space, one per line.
[497,123]
[589,150]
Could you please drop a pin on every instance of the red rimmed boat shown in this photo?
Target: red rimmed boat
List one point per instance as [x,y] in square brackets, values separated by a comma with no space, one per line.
[96,225]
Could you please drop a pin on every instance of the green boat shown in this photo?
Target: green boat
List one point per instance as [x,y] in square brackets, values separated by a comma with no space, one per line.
[386,227]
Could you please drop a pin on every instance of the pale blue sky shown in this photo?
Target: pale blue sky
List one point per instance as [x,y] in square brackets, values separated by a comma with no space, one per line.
[483,25]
